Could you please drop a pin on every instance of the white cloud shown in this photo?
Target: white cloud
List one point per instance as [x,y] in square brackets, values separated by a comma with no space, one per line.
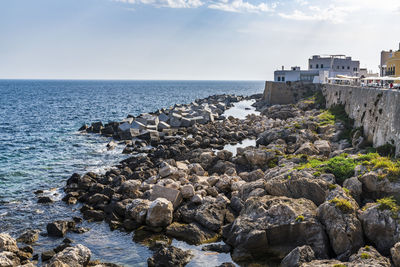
[332,13]
[240,6]
[166,3]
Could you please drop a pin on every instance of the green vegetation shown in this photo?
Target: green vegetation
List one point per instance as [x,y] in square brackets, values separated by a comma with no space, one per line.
[341,167]
[342,204]
[273,163]
[367,248]
[373,161]
[365,256]
[340,265]
[334,114]
[312,163]
[300,218]
[388,203]
[317,174]
[332,186]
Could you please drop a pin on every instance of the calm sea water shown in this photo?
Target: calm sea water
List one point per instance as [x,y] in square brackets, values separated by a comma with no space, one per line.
[40,148]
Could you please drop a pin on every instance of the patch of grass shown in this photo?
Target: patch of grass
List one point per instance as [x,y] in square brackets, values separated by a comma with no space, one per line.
[332,186]
[297,125]
[367,248]
[388,203]
[272,163]
[317,174]
[342,204]
[334,114]
[365,256]
[390,168]
[326,118]
[312,163]
[300,218]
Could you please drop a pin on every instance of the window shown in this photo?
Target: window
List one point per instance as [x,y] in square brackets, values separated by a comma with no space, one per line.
[279,78]
[348,67]
[322,66]
[283,78]
[311,66]
[337,67]
[355,69]
[342,67]
[317,66]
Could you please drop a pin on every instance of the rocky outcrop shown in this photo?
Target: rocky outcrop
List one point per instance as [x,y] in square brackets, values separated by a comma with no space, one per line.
[169,257]
[338,215]
[380,227]
[275,225]
[159,213]
[298,256]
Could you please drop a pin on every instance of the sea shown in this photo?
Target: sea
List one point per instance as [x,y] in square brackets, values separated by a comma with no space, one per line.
[40,147]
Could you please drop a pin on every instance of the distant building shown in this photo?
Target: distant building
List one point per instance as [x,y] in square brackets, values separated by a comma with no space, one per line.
[335,65]
[365,73]
[385,55]
[295,74]
[393,64]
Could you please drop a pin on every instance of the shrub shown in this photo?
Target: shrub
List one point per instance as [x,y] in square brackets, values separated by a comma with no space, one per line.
[341,167]
[332,186]
[342,204]
[300,218]
[317,174]
[367,248]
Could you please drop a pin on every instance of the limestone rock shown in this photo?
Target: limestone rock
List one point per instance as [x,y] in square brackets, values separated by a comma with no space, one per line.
[307,149]
[9,259]
[395,253]
[192,233]
[173,195]
[170,257]
[72,256]
[342,225]
[159,213]
[275,225]
[57,228]
[187,191]
[137,210]
[29,236]
[380,227]
[297,256]
[7,243]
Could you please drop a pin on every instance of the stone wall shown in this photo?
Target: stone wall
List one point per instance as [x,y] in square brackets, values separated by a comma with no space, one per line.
[287,93]
[376,110]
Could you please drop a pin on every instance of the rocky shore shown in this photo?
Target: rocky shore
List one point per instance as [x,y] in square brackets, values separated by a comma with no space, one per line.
[310,193]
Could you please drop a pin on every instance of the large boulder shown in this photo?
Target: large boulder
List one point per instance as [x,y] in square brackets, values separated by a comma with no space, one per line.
[170,194]
[297,256]
[368,256]
[137,210]
[338,215]
[299,184]
[395,253]
[169,257]
[29,236]
[374,186]
[160,213]
[9,259]
[7,243]
[307,149]
[380,227]
[275,226]
[77,256]
[211,215]
[192,233]
[57,228]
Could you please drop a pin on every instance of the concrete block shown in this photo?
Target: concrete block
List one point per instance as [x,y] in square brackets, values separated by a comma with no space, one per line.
[138,125]
[124,127]
[170,194]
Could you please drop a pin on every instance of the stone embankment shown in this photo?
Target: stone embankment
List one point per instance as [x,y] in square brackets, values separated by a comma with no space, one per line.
[308,194]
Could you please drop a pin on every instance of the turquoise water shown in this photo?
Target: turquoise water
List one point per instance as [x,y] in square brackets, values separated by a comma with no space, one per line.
[40,147]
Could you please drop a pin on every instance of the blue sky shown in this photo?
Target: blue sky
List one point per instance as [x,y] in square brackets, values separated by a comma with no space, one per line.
[187,39]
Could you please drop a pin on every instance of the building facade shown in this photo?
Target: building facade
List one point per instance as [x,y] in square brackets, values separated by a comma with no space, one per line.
[393,65]
[335,65]
[385,56]
[295,74]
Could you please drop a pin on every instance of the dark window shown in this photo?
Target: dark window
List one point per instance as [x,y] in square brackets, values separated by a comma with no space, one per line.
[317,66]
[348,67]
[283,79]
[355,69]
[322,66]
[310,66]
[342,67]
[279,78]
[337,67]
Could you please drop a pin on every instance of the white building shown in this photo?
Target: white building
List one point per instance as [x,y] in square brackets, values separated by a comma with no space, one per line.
[335,64]
[296,74]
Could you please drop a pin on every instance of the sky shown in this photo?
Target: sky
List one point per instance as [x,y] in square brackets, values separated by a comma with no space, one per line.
[187,39]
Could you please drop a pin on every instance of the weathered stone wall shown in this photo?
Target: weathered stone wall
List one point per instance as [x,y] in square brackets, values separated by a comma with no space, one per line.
[376,110]
[287,93]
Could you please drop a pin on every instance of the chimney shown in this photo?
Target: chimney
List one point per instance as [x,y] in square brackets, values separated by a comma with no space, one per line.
[283,67]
